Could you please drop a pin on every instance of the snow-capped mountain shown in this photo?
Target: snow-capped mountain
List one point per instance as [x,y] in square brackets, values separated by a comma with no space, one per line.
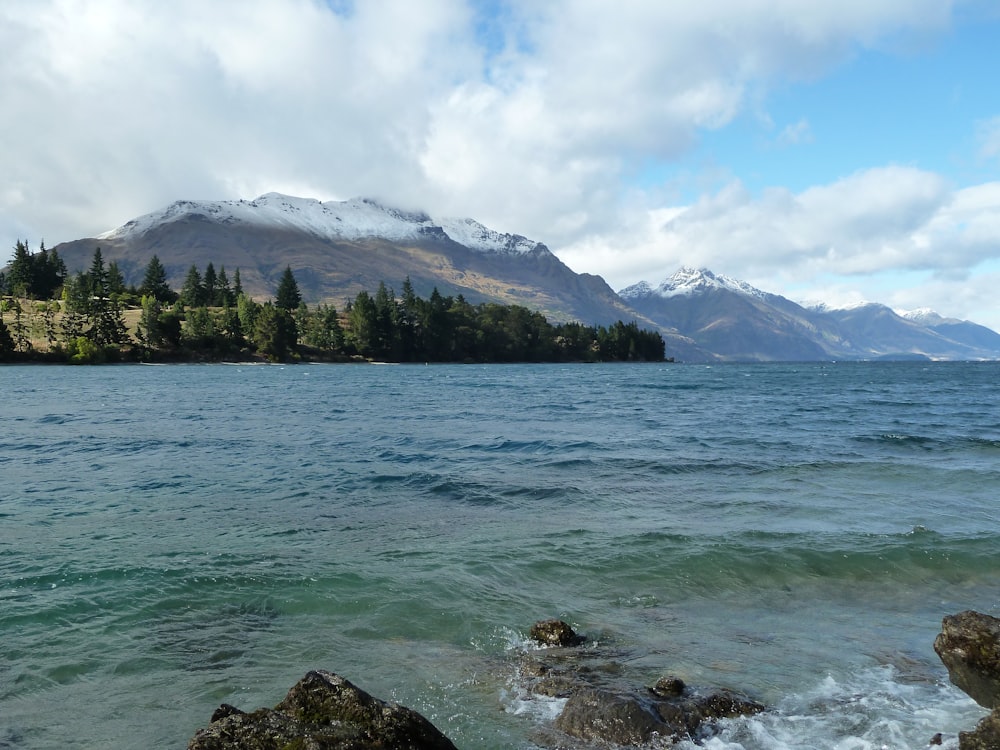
[740,322]
[355,219]
[337,249]
[690,281]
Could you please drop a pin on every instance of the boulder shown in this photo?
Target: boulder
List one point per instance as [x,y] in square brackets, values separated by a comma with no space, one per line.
[604,705]
[639,717]
[969,646]
[322,711]
[986,735]
[554,633]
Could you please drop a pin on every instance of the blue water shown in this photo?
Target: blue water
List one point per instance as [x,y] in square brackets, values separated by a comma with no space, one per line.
[176,537]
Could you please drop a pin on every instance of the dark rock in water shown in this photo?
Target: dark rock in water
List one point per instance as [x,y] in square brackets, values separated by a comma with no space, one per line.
[969,646]
[986,735]
[593,714]
[630,719]
[669,687]
[323,711]
[554,633]
[605,707]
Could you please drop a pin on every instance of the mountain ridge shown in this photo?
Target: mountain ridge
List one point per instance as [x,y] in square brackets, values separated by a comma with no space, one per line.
[339,248]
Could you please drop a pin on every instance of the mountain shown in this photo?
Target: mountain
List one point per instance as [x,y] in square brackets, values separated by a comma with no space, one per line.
[963,331]
[738,322]
[339,248]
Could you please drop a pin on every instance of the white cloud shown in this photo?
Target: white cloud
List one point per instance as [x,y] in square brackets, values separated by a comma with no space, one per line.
[533,124]
[844,240]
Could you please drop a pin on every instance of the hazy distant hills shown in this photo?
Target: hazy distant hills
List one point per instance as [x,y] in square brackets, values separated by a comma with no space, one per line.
[737,322]
[336,249]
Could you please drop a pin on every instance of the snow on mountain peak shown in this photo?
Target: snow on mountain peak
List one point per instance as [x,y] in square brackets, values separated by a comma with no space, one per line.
[354,219]
[925,316]
[687,281]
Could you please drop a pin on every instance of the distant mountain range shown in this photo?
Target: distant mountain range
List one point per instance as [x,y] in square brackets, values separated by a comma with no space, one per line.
[336,249]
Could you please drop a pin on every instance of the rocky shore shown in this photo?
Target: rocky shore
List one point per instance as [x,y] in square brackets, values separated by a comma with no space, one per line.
[324,711]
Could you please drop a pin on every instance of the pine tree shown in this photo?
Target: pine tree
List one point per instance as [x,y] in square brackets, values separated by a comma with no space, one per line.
[210,286]
[20,275]
[116,281]
[237,286]
[6,341]
[192,293]
[226,296]
[288,296]
[154,282]
[98,276]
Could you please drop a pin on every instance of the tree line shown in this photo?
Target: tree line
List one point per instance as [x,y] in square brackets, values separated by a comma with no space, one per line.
[82,319]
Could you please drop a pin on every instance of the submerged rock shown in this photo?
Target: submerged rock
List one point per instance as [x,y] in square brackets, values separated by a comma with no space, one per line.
[322,711]
[969,646]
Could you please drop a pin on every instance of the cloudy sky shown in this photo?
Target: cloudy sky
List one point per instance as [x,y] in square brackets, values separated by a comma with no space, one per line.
[833,151]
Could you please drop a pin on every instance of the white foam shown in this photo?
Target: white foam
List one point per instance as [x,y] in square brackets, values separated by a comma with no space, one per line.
[874,710]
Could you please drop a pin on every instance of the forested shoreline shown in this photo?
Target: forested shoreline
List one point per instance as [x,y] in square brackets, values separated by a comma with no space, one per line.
[50,315]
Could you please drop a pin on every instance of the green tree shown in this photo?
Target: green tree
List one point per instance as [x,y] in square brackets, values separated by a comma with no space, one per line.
[20,274]
[149,330]
[154,282]
[76,309]
[116,281]
[322,330]
[247,311]
[210,286]
[226,296]
[361,318]
[288,296]
[6,341]
[98,276]
[193,291]
[198,331]
[274,333]
[237,285]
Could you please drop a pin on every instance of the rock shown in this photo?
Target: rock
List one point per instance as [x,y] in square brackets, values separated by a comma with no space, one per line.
[323,711]
[669,687]
[986,735]
[632,719]
[969,646]
[554,633]
[593,714]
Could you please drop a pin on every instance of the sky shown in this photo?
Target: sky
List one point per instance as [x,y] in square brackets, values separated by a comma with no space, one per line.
[828,151]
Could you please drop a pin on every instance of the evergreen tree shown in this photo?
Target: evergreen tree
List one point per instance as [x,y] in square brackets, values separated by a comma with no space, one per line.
[323,331]
[154,282]
[237,286]
[149,331]
[116,281]
[363,325]
[193,292]
[20,275]
[76,308]
[98,276]
[274,333]
[19,329]
[247,311]
[6,341]
[210,288]
[288,296]
[226,296]
[230,326]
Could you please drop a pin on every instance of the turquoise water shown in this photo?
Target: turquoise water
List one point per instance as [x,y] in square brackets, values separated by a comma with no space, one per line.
[172,538]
